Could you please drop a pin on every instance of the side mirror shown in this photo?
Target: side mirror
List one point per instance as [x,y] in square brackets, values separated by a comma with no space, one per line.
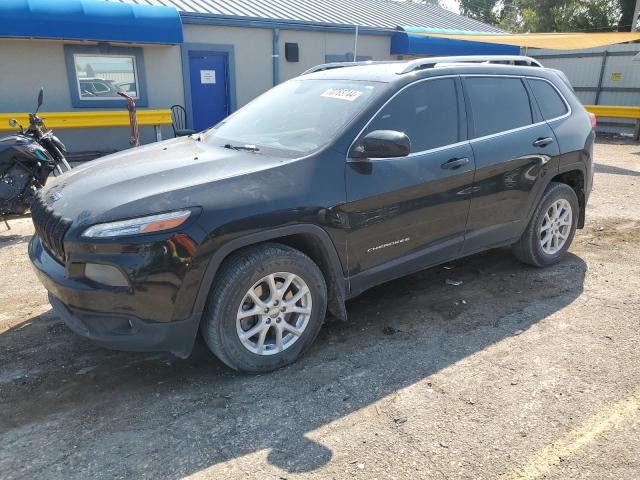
[40,99]
[13,123]
[382,144]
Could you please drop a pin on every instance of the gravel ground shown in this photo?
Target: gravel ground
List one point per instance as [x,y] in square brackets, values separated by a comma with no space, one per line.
[517,373]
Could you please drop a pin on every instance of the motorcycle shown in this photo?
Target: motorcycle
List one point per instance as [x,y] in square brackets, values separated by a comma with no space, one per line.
[27,159]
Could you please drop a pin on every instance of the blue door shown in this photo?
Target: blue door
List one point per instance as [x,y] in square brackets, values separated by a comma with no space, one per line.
[209,98]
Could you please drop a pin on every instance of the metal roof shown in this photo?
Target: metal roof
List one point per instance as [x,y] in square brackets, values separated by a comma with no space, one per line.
[378,14]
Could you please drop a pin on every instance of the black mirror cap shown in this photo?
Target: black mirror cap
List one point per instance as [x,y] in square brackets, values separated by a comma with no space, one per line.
[40,97]
[382,144]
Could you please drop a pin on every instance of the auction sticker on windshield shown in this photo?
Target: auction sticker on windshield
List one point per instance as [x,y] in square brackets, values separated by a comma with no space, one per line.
[342,94]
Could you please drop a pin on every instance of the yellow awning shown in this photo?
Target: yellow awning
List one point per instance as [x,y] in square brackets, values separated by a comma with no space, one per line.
[556,41]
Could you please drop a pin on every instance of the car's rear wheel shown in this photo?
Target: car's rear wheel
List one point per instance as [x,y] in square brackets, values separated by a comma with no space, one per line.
[265,309]
[551,229]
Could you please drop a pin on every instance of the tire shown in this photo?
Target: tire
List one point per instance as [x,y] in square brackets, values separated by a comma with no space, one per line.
[531,248]
[230,295]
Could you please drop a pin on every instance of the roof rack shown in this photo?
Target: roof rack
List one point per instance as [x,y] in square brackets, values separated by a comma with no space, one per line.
[422,63]
[331,66]
[431,62]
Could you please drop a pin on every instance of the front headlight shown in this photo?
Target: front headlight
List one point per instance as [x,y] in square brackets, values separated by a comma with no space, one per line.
[136,226]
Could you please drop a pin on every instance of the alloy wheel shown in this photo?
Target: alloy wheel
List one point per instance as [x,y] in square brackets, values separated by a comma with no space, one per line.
[274,313]
[556,227]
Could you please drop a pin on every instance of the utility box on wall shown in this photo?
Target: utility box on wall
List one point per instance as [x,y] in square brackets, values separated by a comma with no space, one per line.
[291,52]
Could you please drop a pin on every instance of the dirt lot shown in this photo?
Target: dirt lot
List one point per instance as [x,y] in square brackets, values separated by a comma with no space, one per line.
[517,373]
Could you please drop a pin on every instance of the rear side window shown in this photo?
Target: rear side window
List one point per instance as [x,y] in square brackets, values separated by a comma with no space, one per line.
[549,100]
[100,87]
[497,104]
[426,112]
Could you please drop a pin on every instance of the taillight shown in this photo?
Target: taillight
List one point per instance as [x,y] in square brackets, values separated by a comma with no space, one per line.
[594,120]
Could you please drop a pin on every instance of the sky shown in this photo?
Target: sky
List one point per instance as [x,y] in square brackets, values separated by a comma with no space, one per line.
[450,5]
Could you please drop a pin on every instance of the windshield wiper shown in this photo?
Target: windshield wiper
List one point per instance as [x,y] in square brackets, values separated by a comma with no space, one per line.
[248,148]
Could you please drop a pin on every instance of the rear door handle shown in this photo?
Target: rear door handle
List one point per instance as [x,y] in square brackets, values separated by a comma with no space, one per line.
[455,163]
[543,142]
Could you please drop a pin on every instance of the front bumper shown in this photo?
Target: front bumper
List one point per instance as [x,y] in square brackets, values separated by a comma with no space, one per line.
[89,311]
[123,332]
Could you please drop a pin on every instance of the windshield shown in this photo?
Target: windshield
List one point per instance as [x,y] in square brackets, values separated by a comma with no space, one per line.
[298,116]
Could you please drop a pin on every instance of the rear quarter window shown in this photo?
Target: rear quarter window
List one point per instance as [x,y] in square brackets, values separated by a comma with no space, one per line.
[549,100]
[497,104]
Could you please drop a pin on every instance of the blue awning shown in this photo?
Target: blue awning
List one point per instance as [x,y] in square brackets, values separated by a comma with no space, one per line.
[90,20]
[404,43]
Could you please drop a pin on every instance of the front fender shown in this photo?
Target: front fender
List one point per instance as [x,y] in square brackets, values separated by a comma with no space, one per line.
[332,267]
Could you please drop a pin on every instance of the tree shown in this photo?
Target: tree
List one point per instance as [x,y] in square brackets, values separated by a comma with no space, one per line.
[504,13]
[424,2]
[482,10]
[568,15]
[551,15]
[627,8]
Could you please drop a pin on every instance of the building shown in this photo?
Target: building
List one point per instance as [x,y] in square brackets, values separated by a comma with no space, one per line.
[211,56]
[608,75]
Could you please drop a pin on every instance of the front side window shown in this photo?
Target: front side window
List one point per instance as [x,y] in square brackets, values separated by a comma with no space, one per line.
[296,117]
[97,74]
[426,112]
[497,104]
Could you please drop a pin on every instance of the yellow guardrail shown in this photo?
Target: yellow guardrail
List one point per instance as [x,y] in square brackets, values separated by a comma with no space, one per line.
[611,111]
[90,119]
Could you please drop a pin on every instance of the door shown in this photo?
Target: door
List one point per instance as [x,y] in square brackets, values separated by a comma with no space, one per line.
[208,72]
[410,212]
[514,149]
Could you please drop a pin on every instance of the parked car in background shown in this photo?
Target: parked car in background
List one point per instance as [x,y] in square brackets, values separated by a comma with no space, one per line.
[323,187]
[97,87]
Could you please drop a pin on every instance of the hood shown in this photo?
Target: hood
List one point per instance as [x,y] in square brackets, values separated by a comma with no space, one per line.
[159,177]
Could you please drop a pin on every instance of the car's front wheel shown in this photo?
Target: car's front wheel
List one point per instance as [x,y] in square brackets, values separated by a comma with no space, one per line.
[265,309]
[551,228]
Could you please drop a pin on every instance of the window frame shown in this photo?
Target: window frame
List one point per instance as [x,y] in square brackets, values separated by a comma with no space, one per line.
[70,53]
[463,136]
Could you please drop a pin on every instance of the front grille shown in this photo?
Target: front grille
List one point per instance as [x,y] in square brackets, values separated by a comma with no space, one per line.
[50,227]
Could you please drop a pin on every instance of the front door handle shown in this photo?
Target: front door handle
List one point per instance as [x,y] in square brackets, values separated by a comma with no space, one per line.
[455,163]
[543,142]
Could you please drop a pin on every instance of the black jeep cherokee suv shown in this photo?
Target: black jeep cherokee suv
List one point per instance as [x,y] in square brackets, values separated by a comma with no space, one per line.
[321,188]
